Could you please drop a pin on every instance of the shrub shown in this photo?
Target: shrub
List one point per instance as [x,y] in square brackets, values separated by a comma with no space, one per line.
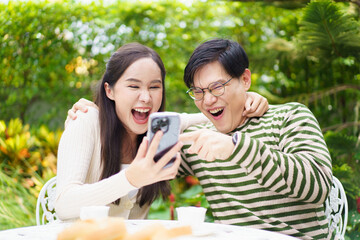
[26,162]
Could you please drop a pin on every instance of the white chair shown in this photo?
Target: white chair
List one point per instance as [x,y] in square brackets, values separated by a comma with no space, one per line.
[336,210]
[45,203]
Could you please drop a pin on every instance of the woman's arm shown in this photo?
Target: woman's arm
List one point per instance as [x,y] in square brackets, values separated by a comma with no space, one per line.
[79,169]
[255,106]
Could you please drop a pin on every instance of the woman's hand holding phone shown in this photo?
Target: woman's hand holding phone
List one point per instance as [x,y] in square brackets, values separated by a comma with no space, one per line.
[144,170]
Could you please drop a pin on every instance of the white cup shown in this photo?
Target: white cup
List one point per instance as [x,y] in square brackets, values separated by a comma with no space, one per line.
[94,212]
[191,215]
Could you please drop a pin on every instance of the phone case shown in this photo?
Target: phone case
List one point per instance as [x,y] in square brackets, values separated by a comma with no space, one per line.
[169,123]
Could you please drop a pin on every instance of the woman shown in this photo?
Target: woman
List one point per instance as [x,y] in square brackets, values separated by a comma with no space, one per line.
[103,156]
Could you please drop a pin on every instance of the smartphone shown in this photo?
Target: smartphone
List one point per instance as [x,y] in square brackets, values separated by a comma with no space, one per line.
[169,124]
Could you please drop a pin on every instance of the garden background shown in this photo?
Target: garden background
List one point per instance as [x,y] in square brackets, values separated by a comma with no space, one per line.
[53,52]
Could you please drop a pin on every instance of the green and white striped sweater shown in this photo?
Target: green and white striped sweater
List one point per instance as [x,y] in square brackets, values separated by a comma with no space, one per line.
[277,178]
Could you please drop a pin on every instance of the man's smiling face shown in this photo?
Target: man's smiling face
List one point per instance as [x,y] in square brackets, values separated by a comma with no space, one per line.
[224,111]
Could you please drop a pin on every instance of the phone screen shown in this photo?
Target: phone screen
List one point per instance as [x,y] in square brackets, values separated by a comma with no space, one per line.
[169,124]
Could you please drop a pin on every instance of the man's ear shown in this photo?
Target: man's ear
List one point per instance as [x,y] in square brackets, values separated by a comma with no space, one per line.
[246,78]
[108,90]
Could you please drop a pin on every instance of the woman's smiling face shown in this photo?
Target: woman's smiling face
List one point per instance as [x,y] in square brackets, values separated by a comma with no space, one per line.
[136,94]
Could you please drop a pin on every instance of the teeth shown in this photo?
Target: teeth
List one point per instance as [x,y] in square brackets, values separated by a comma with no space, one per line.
[142,110]
[215,110]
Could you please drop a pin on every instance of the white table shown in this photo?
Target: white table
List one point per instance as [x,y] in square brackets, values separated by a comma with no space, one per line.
[204,231]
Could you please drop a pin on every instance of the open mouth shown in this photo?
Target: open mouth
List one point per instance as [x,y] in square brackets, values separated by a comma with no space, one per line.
[216,112]
[140,115]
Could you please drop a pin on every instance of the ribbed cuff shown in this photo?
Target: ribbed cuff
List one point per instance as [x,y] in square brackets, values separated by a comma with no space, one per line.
[125,182]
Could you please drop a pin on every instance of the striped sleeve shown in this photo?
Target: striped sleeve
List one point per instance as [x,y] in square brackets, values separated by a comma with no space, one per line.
[300,168]
[184,168]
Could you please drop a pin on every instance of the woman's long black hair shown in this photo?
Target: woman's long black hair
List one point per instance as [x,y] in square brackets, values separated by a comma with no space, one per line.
[112,129]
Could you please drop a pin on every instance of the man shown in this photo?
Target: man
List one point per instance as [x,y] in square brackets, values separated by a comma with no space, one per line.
[272,172]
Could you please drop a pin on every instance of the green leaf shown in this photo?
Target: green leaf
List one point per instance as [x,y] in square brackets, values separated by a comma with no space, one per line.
[192,192]
[326,30]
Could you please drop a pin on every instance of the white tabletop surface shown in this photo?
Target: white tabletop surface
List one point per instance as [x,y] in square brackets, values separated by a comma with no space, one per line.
[203,231]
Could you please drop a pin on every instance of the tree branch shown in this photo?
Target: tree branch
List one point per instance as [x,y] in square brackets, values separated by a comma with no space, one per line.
[310,97]
[340,126]
[317,95]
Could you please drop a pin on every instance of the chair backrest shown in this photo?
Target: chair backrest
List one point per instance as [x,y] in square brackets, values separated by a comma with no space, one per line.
[336,210]
[45,203]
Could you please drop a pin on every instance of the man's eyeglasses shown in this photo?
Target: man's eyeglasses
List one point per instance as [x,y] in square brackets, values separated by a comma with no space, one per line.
[215,88]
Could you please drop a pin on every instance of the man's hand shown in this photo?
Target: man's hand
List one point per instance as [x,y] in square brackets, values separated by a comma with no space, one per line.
[255,105]
[81,105]
[208,144]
